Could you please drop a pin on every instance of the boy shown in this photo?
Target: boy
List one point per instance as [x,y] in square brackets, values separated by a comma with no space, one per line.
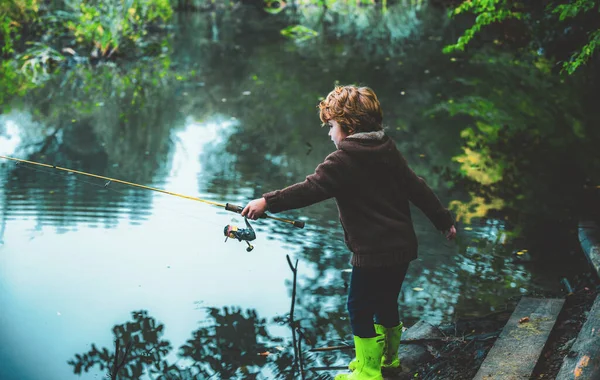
[372,185]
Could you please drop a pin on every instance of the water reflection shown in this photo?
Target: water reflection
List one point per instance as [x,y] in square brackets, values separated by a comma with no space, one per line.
[232,343]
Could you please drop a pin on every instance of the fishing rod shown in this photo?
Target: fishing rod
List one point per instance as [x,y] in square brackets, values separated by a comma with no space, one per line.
[241,234]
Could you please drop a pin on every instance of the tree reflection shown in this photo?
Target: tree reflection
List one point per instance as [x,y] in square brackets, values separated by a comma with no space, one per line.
[141,347]
[530,145]
[120,125]
[232,347]
[232,344]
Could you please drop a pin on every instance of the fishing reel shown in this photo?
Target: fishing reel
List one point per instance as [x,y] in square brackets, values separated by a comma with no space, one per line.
[241,234]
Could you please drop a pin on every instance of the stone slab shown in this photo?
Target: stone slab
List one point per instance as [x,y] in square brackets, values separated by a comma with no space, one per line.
[518,348]
[583,362]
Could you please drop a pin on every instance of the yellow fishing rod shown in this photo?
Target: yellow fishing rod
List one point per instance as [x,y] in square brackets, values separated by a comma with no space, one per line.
[241,234]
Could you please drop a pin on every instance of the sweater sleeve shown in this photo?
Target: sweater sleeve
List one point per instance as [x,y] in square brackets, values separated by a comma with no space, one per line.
[327,180]
[421,195]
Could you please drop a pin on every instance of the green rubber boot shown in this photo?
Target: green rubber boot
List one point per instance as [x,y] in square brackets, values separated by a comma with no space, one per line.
[379,330]
[392,344]
[369,352]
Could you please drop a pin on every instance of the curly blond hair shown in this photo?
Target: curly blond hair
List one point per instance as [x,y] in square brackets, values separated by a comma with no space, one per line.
[356,109]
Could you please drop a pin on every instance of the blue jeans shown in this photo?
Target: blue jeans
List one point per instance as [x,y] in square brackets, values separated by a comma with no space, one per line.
[373,298]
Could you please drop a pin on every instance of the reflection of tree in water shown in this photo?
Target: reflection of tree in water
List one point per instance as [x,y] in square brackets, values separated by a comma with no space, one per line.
[371,30]
[234,344]
[231,347]
[120,126]
[530,145]
[125,115]
[138,346]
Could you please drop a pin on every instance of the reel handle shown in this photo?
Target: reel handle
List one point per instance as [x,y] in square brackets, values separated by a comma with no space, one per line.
[238,209]
[233,208]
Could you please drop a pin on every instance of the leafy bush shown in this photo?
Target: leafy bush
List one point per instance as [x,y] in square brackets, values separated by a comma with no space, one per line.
[13,14]
[109,25]
[496,11]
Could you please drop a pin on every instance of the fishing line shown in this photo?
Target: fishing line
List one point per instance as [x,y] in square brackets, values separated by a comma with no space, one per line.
[227,206]
[106,186]
[67,176]
[241,234]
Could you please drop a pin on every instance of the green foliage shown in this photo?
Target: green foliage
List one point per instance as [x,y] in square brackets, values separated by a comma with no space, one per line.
[38,62]
[274,6]
[583,55]
[107,25]
[511,138]
[12,16]
[488,12]
[12,82]
[105,28]
[496,11]
[573,9]
[104,24]
[299,33]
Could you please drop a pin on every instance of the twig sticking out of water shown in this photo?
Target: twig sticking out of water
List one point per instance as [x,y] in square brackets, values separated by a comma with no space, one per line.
[295,341]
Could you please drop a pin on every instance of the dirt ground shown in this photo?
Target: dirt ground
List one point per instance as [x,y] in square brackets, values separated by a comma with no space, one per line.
[461,358]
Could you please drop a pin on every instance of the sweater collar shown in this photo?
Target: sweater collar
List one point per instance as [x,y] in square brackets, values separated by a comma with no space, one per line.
[375,135]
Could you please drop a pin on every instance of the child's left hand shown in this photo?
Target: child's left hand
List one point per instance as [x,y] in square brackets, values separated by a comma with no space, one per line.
[451,233]
[255,209]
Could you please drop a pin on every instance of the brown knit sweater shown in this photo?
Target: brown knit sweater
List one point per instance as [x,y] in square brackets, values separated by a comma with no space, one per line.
[372,185]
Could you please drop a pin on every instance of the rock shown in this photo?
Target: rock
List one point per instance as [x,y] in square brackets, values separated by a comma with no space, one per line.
[411,355]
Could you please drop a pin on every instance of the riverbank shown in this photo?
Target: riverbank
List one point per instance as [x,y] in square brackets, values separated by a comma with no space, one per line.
[467,342]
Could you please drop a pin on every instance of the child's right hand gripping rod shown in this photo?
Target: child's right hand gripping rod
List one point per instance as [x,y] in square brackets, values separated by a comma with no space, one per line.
[238,209]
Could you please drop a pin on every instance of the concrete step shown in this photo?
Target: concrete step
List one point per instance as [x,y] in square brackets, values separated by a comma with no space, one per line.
[583,362]
[519,346]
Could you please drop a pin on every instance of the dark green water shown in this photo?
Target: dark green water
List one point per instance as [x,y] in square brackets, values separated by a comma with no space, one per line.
[227,113]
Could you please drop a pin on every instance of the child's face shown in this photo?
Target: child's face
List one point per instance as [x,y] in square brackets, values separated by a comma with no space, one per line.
[336,132]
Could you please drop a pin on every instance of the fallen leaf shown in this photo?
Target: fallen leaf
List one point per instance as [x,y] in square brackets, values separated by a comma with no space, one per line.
[583,362]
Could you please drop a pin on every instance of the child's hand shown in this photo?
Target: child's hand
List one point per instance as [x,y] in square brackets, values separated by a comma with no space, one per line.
[451,233]
[255,209]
